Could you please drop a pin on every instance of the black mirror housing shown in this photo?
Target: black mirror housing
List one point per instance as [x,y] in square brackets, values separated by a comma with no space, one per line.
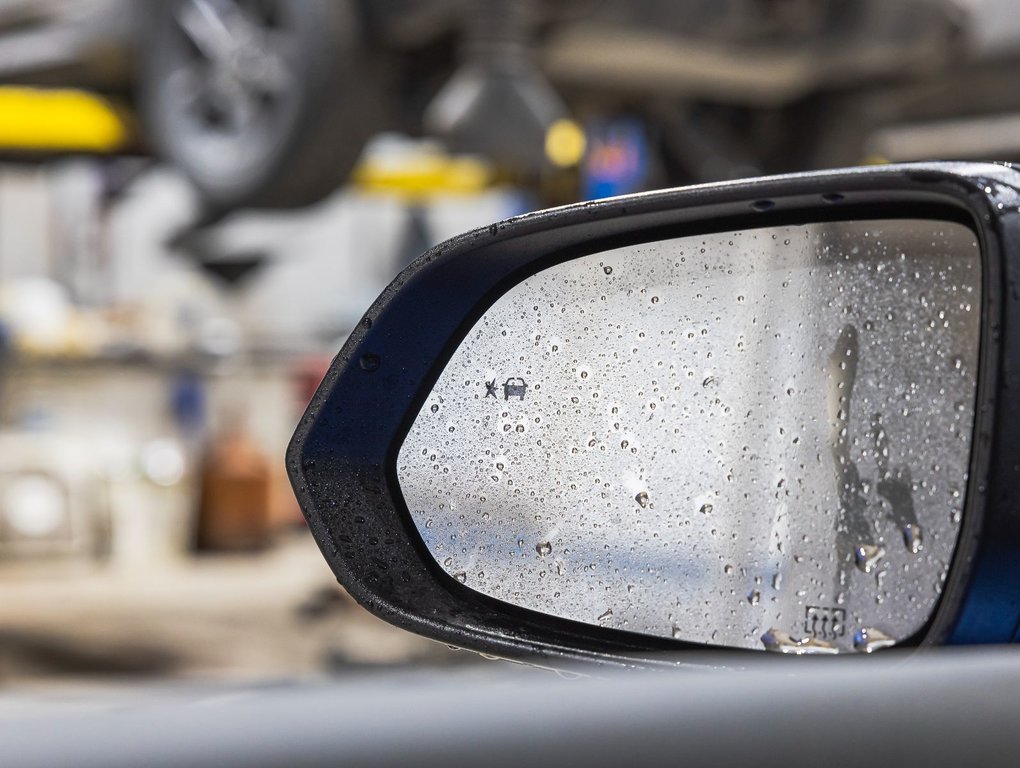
[342,459]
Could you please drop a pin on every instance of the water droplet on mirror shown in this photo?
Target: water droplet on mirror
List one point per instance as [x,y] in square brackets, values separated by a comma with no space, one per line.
[460,576]
[912,538]
[728,569]
[642,499]
[710,380]
[543,548]
[706,509]
[435,409]
[608,270]
[607,615]
[754,597]
[869,640]
[777,641]
[867,557]
[369,362]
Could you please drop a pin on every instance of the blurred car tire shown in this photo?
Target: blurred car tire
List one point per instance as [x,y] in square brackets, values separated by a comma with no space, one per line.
[304,125]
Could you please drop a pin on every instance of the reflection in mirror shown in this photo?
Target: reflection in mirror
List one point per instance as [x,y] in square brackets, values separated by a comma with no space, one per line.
[756,439]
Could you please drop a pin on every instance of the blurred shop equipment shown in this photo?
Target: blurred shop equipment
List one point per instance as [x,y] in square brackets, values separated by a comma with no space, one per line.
[235,507]
[54,499]
[617,162]
[498,104]
[269,103]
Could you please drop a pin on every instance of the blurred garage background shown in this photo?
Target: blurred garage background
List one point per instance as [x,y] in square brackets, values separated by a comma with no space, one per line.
[199,198]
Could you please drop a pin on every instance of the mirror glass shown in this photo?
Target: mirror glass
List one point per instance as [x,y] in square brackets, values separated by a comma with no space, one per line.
[756,439]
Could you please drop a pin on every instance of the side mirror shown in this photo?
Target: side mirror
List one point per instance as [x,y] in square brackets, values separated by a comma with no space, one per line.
[777,414]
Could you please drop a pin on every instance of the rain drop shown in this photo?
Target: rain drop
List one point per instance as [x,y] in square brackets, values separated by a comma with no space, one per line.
[867,557]
[912,538]
[869,640]
[777,641]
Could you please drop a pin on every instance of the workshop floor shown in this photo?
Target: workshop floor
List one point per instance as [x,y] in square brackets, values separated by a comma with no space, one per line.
[276,614]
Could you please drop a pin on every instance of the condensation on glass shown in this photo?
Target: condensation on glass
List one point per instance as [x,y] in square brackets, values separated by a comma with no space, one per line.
[755,439]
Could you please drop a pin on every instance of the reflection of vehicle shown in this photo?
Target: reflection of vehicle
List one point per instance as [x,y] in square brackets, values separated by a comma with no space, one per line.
[268,102]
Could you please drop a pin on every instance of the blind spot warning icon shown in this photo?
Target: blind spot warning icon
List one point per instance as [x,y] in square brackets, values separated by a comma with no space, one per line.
[514,387]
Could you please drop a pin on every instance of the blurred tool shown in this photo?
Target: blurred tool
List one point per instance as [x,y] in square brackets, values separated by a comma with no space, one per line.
[497,103]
